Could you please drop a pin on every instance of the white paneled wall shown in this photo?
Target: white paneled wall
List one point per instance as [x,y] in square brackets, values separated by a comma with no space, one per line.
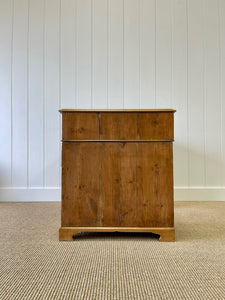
[110,54]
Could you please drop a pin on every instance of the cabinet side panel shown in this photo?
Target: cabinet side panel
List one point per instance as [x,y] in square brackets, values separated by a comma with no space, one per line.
[80,184]
[119,184]
[118,126]
[155,185]
[80,126]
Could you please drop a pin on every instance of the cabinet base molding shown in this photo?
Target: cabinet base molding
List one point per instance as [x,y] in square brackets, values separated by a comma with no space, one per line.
[167,234]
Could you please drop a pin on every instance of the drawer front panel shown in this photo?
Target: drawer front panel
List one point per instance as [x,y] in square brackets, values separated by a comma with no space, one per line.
[118,126]
[155,126]
[80,126]
[137,126]
[80,184]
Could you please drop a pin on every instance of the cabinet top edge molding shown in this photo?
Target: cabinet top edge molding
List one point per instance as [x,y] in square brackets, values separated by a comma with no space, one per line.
[117,110]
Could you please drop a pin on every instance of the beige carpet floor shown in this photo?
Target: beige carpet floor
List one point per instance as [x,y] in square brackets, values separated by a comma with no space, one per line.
[35,265]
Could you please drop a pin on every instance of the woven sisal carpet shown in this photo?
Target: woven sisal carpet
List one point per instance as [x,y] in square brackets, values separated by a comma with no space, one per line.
[34,265]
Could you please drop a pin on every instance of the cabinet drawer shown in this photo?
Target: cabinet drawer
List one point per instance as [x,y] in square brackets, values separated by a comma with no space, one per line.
[132,126]
[137,126]
[118,126]
[156,126]
[80,126]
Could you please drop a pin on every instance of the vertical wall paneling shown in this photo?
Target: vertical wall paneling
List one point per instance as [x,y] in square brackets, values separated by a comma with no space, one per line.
[6,35]
[163,53]
[52,94]
[196,94]
[68,53]
[100,53]
[36,93]
[84,55]
[212,94]
[111,54]
[147,53]
[19,93]
[179,90]
[115,54]
[222,80]
[131,53]
[60,87]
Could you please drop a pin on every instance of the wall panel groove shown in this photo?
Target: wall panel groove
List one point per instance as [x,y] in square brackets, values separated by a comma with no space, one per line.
[111,54]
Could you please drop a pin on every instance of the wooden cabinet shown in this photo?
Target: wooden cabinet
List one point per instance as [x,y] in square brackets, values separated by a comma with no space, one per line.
[117,172]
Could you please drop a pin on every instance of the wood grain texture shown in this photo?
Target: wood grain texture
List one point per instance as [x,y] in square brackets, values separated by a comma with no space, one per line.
[156,126]
[80,184]
[80,126]
[155,185]
[119,126]
[118,110]
[119,184]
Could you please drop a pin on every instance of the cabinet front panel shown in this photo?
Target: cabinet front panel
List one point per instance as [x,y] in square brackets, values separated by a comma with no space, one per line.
[119,179]
[118,126]
[155,126]
[80,126]
[155,185]
[137,184]
[80,184]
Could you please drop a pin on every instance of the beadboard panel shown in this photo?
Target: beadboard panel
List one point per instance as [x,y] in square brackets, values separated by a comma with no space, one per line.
[84,45]
[68,52]
[163,54]
[222,81]
[19,93]
[147,53]
[100,53]
[111,54]
[196,94]
[212,91]
[51,96]
[36,124]
[6,37]
[131,53]
[179,91]
[115,54]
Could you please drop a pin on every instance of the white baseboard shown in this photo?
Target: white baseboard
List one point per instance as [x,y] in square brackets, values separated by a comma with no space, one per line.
[199,194]
[29,194]
[8,194]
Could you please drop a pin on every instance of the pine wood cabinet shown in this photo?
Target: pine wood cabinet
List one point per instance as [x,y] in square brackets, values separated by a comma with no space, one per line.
[117,172]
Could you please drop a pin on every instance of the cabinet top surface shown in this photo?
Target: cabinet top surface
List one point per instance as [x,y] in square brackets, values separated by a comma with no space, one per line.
[117,110]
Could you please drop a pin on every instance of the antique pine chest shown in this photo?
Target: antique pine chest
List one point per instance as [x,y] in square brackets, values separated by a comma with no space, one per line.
[117,171]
